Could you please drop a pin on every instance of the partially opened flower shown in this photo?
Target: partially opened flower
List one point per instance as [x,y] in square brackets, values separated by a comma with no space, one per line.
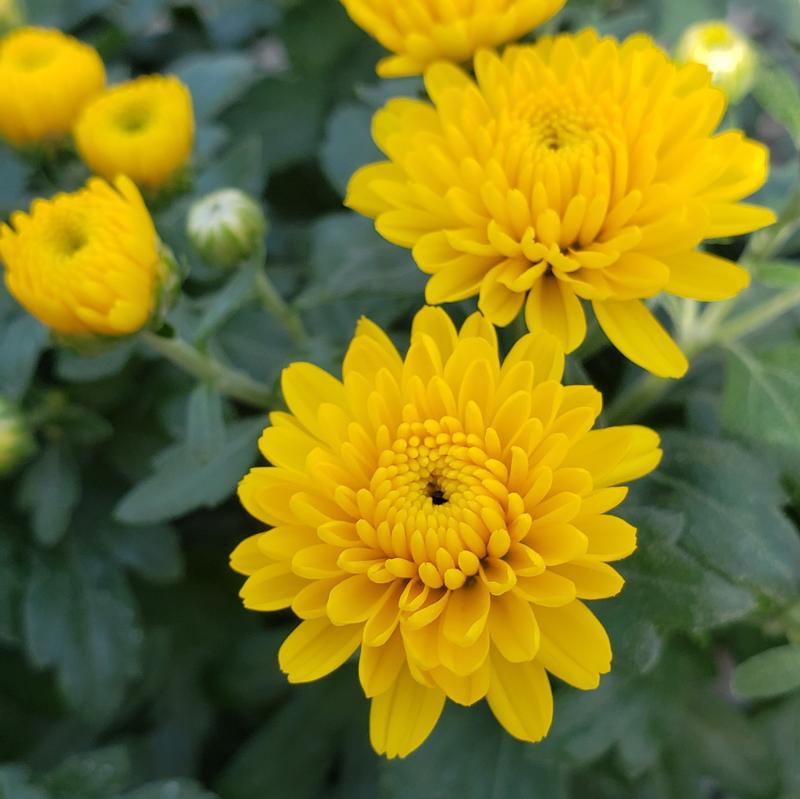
[447,513]
[88,263]
[574,169]
[46,77]
[421,32]
[143,129]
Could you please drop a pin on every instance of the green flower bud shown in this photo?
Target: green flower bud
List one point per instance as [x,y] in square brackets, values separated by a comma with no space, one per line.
[226,227]
[728,55]
[16,438]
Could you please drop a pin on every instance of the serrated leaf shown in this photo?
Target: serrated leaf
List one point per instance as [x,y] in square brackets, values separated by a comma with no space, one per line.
[733,504]
[205,424]
[768,674]
[175,489]
[99,774]
[469,756]
[50,491]
[761,399]
[79,618]
[153,552]
[215,80]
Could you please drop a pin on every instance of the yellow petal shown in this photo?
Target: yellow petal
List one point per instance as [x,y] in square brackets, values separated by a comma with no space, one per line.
[549,589]
[520,698]
[379,666]
[574,645]
[355,599]
[315,648]
[557,543]
[639,336]
[553,306]
[361,195]
[705,277]
[513,628]
[403,717]
[466,690]
[610,538]
[616,454]
[735,219]
[592,580]
[466,613]
[272,588]
[305,387]
[436,323]
[248,557]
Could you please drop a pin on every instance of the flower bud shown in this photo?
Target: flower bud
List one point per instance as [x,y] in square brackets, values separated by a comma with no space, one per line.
[728,55]
[226,227]
[16,438]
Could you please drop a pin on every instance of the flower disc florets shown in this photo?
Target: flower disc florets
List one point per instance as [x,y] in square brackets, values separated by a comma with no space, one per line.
[574,169]
[424,31]
[447,513]
[89,263]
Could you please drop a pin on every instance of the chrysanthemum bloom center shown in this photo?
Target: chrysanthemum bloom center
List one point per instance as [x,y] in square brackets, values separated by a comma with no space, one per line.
[67,234]
[134,117]
[32,56]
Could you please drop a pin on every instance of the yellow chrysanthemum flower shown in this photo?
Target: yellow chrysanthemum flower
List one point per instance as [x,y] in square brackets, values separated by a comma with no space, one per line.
[86,263]
[573,169]
[420,32]
[447,513]
[143,129]
[46,78]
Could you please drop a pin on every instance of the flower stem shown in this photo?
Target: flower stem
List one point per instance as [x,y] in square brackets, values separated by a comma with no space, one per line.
[279,308]
[228,380]
[645,392]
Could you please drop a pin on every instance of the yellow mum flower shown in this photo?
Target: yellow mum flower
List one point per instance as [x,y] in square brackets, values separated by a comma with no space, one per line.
[143,129]
[573,169]
[46,78]
[85,263]
[420,32]
[447,513]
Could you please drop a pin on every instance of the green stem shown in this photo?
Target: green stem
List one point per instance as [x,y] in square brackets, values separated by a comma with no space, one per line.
[232,382]
[279,308]
[645,392]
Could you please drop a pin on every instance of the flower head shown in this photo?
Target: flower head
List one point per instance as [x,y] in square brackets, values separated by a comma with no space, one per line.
[86,263]
[46,78]
[447,513]
[573,169]
[728,54]
[143,129]
[16,438]
[226,227]
[425,31]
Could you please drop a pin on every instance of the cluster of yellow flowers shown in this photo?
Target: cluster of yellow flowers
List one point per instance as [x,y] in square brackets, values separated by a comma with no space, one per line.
[446,512]
[90,263]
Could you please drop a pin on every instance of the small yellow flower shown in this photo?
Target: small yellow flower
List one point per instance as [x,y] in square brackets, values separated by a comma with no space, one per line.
[447,513]
[420,32]
[728,55]
[87,263]
[574,169]
[46,78]
[143,129]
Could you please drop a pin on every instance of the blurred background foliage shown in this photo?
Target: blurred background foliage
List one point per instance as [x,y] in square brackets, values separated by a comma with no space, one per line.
[128,667]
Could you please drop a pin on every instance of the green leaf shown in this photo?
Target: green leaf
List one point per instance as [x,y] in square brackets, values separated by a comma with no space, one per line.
[80,619]
[733,504]
[292,754]
[470,756]
[77,368]
[15,784]
[205,424]
[216,80]
[777,92]
[668,587]
[50,491]
[90,775]
[348,144]
[761,399]
[171,789]
[13,180]
[10,583]
[178,485]
[767,674]
[780,727]
[153,552]
[778,274]
[22,341]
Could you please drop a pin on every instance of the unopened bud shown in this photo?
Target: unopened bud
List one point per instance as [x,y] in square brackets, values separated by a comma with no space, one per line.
[16,438]
[226,227]
[728,54]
